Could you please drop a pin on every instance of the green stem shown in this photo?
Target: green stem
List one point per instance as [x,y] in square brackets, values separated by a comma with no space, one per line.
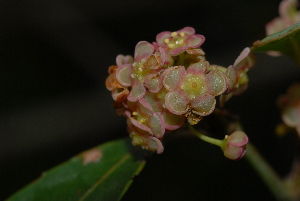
[206,138]
[267,173]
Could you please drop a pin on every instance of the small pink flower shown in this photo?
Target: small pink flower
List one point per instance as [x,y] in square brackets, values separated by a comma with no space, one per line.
[290,105]
[235,147]
[288,16]
[192,92]
[143,72]
[142,138]
[179,41]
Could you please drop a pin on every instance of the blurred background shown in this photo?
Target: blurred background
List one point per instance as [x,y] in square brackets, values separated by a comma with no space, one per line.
[54,56]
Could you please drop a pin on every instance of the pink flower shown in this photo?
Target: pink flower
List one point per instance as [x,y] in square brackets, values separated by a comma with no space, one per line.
[143,72]
[179,41]
[192,92]
[288,16]
[235,147]
[145,126]
[290,105]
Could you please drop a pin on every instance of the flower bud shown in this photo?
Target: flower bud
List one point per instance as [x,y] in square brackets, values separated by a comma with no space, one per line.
[235,145]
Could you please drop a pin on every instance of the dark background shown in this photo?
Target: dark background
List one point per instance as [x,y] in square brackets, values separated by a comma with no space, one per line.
[54,56]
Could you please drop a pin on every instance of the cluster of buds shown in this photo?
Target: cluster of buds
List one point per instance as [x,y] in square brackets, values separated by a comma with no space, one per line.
[168,82]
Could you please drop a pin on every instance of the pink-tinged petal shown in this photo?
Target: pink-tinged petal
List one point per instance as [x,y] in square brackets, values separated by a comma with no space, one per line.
[123,75]
[287,8]
[145,107]
[238,138]
[177,102]
[187,30]
[160,38]
[233,76]
[198,68]
[234,153]
[291,116]
[156,145]
[154,101]
[241,89]
[162,55]
[153,83]
[245,61]
[141,126]
[194,41]
[242,56]
[137,91]
[143,50]
[216,83]
[155,123]
[172,121]
[155,45]
[172,77]
[277,24]
[121,60]
[274,53]
[195,51]
[204,105]
[178,51]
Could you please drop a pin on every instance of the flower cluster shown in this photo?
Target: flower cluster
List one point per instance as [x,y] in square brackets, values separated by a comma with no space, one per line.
[168,82]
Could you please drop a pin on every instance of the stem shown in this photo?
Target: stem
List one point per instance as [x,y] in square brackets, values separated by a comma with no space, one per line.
[206,138]
[267,173]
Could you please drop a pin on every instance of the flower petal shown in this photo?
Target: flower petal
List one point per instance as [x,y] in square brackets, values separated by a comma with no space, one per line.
[154,101]
[234,153]
[143,50]
[160,38]
[156,145]
[204,105]
[121,60]
[155,123]
[194,41]
[198,68]
[187,30]
[172,121]
[245,60]
[216,82]
[178,51]
[123,75]
[177,102]
[153,83]
[137,91]
[238,138]
[173,76]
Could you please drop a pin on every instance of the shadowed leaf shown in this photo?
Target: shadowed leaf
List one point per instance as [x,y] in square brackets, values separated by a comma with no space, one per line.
[102,173]
[286,42]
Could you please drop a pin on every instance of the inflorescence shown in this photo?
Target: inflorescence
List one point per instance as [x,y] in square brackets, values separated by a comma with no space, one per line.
[168,82]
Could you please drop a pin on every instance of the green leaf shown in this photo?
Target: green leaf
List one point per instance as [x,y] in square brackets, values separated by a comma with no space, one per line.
[286,41]
[102,173]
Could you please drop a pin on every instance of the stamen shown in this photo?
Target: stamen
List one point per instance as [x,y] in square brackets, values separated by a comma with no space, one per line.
[171,46]
[182,34]
[167,40]
[173,34]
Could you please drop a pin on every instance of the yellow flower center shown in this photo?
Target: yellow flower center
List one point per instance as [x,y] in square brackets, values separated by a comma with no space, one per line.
[177,40]
[194,85]
[139,70]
